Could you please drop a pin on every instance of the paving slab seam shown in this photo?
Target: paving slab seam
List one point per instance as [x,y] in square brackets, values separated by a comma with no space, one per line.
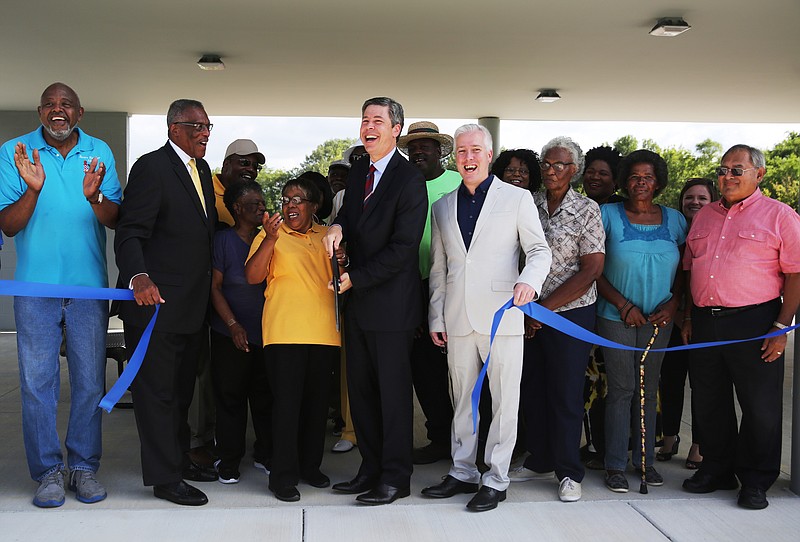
[649,520]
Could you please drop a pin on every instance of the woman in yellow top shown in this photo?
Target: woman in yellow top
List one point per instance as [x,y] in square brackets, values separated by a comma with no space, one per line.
[301,344]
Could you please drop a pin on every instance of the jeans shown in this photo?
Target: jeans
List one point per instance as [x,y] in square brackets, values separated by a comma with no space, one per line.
[622,402]
[39,329]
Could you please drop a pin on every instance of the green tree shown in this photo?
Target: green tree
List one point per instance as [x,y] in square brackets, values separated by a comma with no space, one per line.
[325,153]
[782,179]
[625,144]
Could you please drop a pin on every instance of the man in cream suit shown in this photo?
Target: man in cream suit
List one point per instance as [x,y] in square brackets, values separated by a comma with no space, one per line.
[478,231]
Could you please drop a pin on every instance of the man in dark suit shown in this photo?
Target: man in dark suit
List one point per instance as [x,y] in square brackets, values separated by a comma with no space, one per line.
[381,220]
[163,249]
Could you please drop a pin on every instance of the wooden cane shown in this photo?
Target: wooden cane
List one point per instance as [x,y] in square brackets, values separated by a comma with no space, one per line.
[643,485]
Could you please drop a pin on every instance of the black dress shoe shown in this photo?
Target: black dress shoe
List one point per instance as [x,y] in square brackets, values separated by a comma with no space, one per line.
[701,482]
[317,479]
[753,498]
[180,493]
[486,499]
[286,493]
[359,484]
[197,473]
[383,494]
[448,488]
[431,453]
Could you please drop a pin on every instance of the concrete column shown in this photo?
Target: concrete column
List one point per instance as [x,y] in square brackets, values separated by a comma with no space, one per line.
[493,125]
[111,128]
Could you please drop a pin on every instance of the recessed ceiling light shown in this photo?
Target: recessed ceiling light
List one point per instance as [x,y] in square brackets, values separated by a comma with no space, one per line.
[670,27]
[548,95]
[211,62]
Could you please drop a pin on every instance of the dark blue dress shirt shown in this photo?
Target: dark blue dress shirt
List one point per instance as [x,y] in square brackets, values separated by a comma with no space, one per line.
[469,208]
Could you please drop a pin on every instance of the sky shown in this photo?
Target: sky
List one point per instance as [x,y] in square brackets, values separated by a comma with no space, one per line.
[286,141]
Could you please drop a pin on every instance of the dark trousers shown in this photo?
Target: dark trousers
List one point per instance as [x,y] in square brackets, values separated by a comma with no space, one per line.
[671,387]
[162,392]
[240,379]
[432,384]
[553,371]
[381,401]
[300,378]
[753,452]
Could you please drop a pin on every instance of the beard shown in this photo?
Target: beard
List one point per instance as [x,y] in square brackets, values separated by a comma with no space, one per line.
[58,135]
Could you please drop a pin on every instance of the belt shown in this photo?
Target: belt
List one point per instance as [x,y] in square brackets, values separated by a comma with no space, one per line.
[729,311]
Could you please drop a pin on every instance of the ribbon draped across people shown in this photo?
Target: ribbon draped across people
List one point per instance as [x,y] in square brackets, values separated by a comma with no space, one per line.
[552,319]
[534,310]
[35,289]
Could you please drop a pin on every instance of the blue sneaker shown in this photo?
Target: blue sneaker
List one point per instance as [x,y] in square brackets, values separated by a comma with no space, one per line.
[50,493]
[86,487]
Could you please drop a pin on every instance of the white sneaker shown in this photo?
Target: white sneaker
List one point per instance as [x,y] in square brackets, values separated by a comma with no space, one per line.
[524,474]
[342,446]
[569,490]
[261,467]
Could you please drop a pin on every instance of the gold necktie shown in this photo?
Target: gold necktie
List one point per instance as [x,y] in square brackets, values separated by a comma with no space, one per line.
[197,185]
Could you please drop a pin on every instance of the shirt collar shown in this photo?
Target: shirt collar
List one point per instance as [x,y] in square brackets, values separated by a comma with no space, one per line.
[380,165]
[84,143]
[181,154]
[745,203]
[483,188]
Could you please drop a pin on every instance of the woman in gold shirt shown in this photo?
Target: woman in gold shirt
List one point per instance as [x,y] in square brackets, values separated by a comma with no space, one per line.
[301,344]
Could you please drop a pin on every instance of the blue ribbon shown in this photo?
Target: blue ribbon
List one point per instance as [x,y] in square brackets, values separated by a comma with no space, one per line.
[552,319]
[37,289]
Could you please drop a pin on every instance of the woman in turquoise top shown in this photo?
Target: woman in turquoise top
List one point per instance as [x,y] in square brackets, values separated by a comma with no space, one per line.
[638,290]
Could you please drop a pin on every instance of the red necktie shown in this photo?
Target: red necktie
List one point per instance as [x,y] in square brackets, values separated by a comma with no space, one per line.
[369,183]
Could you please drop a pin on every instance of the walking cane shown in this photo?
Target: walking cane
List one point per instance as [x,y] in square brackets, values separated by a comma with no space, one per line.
[643,485]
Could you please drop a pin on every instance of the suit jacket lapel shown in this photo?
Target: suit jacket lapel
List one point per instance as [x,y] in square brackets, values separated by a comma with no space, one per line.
[452,218]
[186,181]
[383,186]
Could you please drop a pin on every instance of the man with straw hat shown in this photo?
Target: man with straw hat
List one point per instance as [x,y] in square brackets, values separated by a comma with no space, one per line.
[426,148]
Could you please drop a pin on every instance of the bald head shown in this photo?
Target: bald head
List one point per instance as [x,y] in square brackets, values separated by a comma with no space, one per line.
[63,88]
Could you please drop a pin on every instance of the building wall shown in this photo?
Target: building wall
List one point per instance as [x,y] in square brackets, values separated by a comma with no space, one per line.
[111,128]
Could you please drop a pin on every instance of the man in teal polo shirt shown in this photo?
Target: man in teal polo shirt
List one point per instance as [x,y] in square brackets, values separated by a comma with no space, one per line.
[58,192]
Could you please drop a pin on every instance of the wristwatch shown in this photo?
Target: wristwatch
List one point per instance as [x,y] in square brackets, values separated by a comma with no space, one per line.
[99,199]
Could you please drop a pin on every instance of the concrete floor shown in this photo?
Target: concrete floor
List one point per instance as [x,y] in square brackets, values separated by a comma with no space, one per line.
[248,511]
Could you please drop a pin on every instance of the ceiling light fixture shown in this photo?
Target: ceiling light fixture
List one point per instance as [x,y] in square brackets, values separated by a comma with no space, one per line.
[670,27]
[547,95]
[211,62]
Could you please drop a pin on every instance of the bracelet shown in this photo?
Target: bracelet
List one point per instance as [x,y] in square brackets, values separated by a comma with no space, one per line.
[627,302]
[346,262]
[625,317]
[779,325]
[231,322]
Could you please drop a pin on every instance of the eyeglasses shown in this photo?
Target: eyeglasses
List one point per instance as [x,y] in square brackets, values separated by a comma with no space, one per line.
[735,171]
[244,162]
[294,200]
[516,171]
[637,178]
[557,166]
[198,126]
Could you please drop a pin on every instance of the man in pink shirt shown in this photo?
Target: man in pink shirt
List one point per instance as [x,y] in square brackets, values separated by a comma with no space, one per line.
[743,259]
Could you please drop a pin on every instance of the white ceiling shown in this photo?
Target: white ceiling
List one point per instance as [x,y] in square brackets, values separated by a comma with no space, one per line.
[739,63]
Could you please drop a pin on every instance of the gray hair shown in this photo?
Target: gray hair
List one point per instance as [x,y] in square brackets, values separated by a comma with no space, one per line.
[177,108]
[756,156]
[395,109]
[566,143]
[467,128]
